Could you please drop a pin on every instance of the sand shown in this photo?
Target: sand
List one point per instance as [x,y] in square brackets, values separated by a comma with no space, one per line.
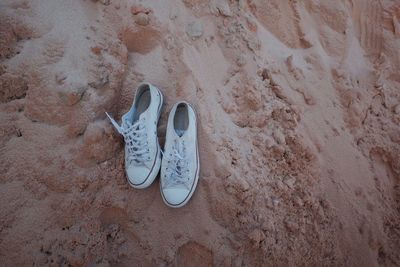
[298,105]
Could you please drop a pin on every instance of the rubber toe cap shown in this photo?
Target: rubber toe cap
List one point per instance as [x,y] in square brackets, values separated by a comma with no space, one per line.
[175,197]
[137,175]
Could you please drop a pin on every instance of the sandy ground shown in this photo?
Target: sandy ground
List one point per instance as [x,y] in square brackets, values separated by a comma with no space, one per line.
[299,112]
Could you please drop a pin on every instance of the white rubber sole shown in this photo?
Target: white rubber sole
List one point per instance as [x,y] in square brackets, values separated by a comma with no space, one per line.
[152,176]
[196,178]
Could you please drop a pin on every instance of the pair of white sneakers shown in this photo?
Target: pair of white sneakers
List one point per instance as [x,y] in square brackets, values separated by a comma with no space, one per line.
[179,162]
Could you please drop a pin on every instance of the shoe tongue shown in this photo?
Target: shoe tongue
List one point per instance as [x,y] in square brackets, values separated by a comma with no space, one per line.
[179,146]
[143,115]
[126,124]
[180,132]
[135,119]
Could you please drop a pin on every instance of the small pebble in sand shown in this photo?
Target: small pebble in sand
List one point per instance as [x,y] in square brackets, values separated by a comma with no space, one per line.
[142,19]
[169,42]
[291,226]
[60,77]
[194,29]
[257,236]
[251,24]
[96,50]
[309,99]
[269,142]
[289,181]
[173,14]
[268,226]
[221,7]
[240,60]
[279,137]
[105,2]
[140,9]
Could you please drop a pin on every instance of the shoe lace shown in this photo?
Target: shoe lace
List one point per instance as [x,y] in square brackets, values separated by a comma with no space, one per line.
[177,168]
[135,136]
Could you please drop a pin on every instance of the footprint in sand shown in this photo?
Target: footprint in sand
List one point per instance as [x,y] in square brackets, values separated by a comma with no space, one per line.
[194,254]
[140,40]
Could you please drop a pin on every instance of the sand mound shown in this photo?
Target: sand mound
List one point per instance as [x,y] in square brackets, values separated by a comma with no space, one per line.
[299,114]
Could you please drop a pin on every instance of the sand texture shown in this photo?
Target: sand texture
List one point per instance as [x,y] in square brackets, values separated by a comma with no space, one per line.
[298,108]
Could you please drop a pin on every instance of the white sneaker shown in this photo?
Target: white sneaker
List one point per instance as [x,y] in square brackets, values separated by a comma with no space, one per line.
[139,128]
[180,165]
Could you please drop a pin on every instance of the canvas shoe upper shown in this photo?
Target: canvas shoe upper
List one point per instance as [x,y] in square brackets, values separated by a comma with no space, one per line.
[180,165]
[139,129]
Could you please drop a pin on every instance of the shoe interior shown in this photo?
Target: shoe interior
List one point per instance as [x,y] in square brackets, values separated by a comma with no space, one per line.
[181,119]
[142,102]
